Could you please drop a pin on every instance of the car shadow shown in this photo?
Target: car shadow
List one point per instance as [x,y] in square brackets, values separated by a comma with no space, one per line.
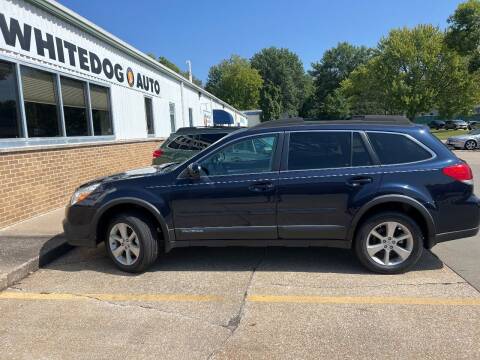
[272,259]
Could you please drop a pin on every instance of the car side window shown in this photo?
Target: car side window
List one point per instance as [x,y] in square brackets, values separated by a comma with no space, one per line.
[252,155]
[319,150]
[397,148]
[360,154]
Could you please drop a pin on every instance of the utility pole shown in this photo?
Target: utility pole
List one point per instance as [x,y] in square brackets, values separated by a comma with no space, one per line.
[190,77]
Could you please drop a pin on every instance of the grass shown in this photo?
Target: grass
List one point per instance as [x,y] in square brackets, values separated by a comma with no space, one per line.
[444,134]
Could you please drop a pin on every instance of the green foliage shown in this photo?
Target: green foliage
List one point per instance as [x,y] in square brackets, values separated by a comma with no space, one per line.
[164,61]
[334,67]
[413,72]
[280,70]
[235,82]
[463,34]
[270,101]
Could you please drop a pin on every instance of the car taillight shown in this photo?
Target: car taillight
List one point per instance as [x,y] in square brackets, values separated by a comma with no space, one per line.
[460,172]
[157,153]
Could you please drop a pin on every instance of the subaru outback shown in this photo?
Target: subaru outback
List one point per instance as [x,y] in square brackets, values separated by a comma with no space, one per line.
[384,187]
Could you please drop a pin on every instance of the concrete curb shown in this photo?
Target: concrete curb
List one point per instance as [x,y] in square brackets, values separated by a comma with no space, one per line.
[33,264]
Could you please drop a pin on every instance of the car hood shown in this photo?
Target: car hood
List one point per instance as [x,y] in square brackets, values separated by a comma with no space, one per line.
[132,174]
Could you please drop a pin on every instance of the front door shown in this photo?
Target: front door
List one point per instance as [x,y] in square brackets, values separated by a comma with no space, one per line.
[235,196]
[326,175]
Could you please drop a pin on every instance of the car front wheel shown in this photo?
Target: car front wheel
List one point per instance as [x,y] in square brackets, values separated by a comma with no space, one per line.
[132,242]
[389,243]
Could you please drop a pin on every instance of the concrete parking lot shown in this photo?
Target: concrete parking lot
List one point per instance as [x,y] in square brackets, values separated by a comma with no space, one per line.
[239,303]
[246,303]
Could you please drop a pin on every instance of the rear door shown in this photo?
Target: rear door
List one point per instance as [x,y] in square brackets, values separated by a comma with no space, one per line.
[325,176]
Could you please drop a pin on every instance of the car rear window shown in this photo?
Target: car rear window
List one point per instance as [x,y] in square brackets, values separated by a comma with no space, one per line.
[194,142]
[397,148]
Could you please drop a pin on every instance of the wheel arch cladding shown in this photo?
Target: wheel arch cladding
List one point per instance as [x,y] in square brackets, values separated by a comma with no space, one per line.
[109,210]
[397,203]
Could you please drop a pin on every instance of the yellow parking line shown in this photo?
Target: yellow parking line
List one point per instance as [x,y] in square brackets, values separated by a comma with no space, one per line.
[381,300]
[299,299]
[108,297]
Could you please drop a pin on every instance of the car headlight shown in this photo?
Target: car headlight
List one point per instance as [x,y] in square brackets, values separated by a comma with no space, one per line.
[82,193]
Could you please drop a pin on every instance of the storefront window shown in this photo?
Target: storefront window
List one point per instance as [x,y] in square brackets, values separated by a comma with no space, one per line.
[172,117]
[74,107]
[149,116]
[40,103]
[9,112]
[101,116]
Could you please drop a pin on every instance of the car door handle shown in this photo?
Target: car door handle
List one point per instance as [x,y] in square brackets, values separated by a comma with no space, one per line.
[359,181]
[261,187]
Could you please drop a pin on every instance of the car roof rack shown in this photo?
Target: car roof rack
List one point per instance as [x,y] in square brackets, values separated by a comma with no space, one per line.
[355,119]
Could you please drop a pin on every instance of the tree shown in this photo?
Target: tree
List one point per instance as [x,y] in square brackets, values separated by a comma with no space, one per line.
[236,82]
[270,102]
[463,34]
[281,70]
[334,67]
[413,72]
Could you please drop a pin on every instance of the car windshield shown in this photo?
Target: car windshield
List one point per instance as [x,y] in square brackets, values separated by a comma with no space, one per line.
[474,132]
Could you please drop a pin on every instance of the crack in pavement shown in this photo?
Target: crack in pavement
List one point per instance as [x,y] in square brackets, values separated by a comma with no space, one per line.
[130,305]
[234,321]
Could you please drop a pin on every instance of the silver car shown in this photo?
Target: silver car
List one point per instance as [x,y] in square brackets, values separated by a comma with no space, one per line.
[469,141]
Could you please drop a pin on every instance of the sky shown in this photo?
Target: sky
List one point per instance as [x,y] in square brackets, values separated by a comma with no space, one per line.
[208,31]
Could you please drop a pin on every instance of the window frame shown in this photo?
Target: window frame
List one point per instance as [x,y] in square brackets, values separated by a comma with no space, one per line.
[430,151]
[62,139]
[277,155]
[363,137]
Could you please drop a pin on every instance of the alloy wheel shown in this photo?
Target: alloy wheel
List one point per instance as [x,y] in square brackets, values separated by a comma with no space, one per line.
[389,243]
[470,145]
[124,244]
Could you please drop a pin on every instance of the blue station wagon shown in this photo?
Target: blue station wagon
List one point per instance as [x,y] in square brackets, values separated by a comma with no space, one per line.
[382,186]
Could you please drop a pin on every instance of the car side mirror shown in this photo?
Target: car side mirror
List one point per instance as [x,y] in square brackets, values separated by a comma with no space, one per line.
[194,170]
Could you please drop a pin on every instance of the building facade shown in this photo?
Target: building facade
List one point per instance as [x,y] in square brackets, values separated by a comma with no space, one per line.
[77,103]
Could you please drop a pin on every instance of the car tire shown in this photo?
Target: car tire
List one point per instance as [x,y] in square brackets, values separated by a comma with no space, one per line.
[132,242]
[470,145]
[403,254]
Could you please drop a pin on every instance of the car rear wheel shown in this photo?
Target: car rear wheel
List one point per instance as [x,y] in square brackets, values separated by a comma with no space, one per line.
[132,242]
[470,145]
[389,243]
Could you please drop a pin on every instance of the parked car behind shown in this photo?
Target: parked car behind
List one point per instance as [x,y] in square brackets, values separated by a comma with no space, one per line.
[187,142]
[436,124]
[472,124]
[468,141]
[386,189]
[456,125]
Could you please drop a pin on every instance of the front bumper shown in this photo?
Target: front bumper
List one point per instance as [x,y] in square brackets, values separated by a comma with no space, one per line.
[456,143]
[78,227]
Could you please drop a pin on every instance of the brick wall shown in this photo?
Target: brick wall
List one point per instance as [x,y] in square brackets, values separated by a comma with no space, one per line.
[36,181]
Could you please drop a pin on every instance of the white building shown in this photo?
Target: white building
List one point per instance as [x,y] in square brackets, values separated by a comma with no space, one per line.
[78,103]
[254,117]
[65,80]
